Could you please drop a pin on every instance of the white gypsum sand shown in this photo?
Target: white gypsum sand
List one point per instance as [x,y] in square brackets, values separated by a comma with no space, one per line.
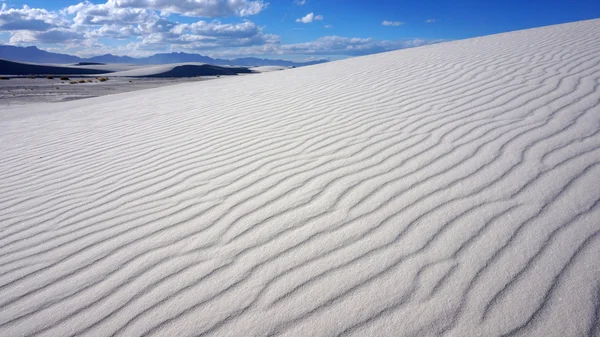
[265,69]
[450,189]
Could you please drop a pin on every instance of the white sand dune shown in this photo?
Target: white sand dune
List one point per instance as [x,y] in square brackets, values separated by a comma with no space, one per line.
[145,70]
[451,190]
[265,69]
[111,67]
[180,70]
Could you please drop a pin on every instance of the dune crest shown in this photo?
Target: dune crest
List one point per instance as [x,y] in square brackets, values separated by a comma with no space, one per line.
[450,189]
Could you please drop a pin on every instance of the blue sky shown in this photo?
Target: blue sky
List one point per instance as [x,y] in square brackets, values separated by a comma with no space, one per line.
[288,29]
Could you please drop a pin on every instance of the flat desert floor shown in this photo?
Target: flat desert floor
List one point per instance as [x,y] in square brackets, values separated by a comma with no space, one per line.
[445,190]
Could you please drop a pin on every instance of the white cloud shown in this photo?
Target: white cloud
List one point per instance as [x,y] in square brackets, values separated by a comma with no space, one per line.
[202,35]
[245,29]
[199,8]
[310,17]
[141,31]
[392,23]
[198,43]
[50,36]
[87,13]
[131,49]
[20,24]
[27,18]
[87,22]
[430,21]
[328,45]
[337,45]
[299,2]
[114,32]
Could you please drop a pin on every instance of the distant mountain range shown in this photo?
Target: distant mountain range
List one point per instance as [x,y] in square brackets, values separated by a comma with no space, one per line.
[34,55]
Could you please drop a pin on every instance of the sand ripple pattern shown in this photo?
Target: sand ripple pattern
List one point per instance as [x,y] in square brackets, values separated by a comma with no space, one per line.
[448,190]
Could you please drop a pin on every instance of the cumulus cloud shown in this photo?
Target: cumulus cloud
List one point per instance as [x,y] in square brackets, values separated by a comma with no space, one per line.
[87,22]
[142,30]
[310,17]
[199,8]
[299,2]
[197,36]
[27,18]
[20,24]
[130,49]
[36,25]
[392,23]
[241,30]
[87,13]
[50,36]
[199,43]
[114,32]
[430,21]
[328,45]
[337,45]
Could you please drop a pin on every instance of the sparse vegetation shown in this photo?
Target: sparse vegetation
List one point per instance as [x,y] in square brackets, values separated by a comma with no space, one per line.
[64,78]
[89,81]
[81,81]
[73,82]
[4,78]
[49,77]
[102,79]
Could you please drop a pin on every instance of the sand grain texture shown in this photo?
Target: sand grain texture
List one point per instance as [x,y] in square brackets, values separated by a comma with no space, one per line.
[447,190]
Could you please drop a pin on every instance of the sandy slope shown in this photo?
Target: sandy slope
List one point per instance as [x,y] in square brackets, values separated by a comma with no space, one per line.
[448,190]
[265,69]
